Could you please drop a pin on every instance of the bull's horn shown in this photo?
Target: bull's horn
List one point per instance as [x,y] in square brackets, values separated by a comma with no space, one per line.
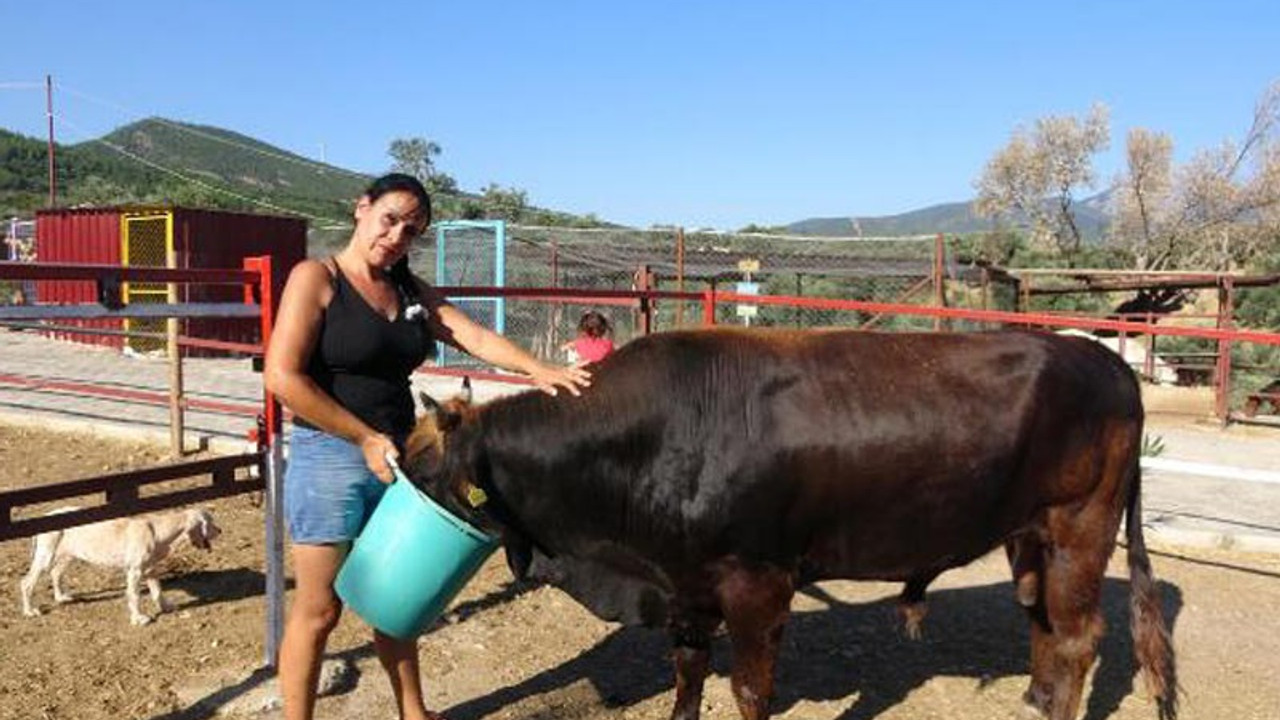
[429,403]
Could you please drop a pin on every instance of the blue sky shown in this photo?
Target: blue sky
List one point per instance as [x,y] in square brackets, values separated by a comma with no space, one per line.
[713,113]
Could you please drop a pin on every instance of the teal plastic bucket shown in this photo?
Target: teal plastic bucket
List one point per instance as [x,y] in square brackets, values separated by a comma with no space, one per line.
[409,562]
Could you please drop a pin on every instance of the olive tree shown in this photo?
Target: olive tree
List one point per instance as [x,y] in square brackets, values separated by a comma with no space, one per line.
[1033,180]
[1219,211]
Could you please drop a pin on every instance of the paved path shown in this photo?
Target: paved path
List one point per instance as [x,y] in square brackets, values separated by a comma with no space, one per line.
[59,384]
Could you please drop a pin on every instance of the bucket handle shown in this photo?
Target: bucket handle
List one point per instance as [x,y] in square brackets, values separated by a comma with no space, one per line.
[399,474]
[402,478]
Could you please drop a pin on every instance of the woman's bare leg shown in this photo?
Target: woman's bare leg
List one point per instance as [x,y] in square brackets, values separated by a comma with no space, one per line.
[312,616]
[400,660]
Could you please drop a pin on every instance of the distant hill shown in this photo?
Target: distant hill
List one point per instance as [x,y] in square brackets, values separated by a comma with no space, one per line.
[234,161]
[163,161]
[950,218]
[138,162]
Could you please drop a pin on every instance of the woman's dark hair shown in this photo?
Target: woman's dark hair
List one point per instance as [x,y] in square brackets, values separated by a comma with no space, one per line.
[593,324]
[399,182]
[399,272]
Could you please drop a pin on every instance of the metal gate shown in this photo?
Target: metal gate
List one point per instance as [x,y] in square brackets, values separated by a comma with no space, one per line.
[147,240]
[472,253]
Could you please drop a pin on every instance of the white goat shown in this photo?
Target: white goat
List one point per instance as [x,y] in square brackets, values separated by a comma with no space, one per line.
[135,544]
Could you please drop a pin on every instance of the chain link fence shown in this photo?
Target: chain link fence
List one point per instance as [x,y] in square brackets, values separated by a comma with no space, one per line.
[919,270]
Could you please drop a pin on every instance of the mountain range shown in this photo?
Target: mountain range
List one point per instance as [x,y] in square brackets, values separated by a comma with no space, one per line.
[159,160]
[956,218]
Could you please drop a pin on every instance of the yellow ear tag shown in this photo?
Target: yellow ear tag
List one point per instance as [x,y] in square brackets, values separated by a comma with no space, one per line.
[476,497]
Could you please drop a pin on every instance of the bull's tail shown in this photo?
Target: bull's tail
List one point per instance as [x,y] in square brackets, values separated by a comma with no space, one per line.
[1152,645]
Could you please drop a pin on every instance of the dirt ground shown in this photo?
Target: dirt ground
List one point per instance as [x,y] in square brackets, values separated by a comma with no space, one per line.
[521,652]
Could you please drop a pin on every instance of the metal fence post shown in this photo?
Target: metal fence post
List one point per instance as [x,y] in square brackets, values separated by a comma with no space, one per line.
[709,307]
[271,442]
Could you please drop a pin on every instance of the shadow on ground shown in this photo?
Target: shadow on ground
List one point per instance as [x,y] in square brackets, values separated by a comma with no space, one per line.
[855,649]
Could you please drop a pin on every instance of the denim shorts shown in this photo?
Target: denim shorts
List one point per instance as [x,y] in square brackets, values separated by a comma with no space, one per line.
[329,492]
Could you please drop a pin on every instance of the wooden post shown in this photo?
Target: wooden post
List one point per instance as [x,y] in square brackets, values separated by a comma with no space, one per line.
[177,426]
[939,284]
[177,401]
[1149,363]
[555,263]
[1222,384]
[679,321]
[555,311]
[799,293]
[644,283]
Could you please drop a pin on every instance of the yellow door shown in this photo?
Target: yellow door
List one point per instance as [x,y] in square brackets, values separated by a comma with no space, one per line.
[147,240]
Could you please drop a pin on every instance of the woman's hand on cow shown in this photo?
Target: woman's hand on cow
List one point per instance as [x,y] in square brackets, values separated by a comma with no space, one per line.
[376,447]
[549,378]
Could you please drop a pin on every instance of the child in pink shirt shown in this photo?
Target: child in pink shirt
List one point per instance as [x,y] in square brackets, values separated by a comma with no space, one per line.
[593,343]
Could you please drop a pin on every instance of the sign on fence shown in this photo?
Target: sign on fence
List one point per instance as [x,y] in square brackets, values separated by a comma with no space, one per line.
[748,311]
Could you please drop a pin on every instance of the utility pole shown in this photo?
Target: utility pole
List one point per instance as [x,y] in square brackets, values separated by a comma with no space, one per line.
[53,168]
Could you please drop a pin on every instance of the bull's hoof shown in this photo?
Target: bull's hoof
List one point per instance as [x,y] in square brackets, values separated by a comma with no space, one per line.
[913,618]
[139,620]
[1038,701]
[1028,589]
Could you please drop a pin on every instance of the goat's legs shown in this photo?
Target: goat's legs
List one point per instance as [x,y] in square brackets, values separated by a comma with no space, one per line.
[41,558]
[153,586]
[55,578]
[133,579]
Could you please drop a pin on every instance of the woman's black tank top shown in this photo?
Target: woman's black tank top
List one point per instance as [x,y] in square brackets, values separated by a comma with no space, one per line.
[363,360]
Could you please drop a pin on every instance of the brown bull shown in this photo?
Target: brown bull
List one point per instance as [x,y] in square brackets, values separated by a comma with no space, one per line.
[708,474]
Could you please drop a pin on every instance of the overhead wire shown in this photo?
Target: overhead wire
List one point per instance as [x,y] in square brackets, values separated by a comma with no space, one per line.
[62,119]
[181,127]
[184,128]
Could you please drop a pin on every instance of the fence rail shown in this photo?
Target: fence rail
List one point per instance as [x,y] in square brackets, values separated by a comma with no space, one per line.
[121,493]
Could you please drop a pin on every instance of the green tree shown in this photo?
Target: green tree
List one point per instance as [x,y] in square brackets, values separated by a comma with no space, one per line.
[442,184]
[504,203]
[414,156]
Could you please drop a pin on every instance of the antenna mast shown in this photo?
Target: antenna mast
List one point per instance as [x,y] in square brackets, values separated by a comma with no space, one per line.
[53,172]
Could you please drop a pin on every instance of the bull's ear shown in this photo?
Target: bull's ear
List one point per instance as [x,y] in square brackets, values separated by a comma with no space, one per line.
[446,416]
[429,403]
[466,389]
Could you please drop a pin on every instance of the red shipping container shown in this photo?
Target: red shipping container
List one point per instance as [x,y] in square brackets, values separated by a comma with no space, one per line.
[165,236]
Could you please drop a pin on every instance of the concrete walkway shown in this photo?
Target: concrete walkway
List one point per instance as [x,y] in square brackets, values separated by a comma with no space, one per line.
[58,384]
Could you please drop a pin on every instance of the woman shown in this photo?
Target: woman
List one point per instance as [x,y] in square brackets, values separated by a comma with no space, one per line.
[350,330]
